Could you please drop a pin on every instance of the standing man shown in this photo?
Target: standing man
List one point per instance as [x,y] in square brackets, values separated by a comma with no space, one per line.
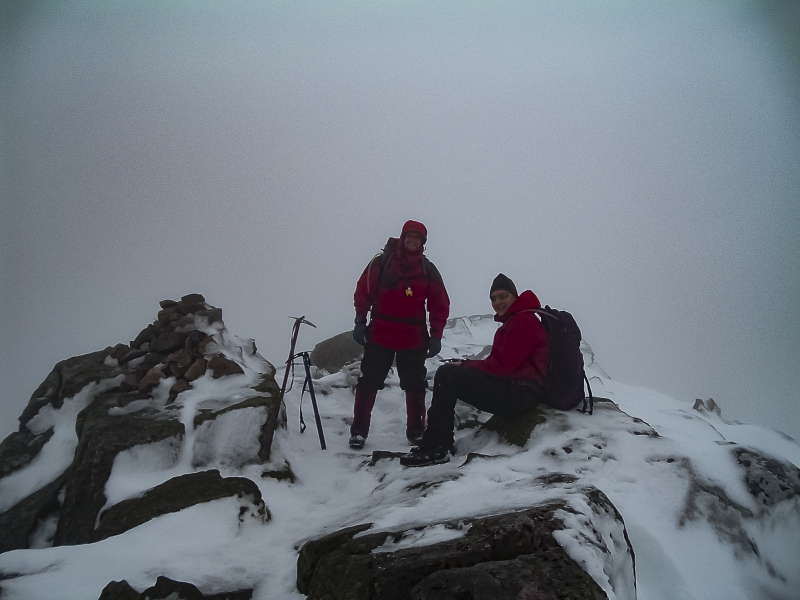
[508,382]
[396,288]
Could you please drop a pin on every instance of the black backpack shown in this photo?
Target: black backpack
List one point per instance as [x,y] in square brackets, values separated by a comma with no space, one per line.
[563,386]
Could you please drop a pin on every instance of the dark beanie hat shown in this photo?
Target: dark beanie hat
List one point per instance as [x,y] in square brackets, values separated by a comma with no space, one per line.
[501,282]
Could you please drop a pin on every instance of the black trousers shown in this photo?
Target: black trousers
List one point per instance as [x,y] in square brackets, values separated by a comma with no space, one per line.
[410,367]
[489,394]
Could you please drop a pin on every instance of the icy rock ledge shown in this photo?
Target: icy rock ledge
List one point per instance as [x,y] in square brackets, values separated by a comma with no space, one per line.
[575,547]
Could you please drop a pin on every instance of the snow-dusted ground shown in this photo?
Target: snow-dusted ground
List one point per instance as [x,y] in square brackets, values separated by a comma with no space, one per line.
[651,479]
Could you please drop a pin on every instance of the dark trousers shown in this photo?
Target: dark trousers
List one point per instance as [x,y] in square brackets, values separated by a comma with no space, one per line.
[374,368]
[489,394]
[410,368]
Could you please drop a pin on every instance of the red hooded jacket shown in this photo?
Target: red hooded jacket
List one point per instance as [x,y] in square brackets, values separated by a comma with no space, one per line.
[520,349]
[398,296]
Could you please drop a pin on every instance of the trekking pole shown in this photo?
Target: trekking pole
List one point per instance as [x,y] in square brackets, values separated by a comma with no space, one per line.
[295,330]
[307,363]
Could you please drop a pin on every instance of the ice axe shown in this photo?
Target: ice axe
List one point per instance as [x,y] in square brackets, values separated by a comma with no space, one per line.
[308,382]
[295,330]
[307,364]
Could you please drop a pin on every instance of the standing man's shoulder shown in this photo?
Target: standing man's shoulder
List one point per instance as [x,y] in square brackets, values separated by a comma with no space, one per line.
[431,271]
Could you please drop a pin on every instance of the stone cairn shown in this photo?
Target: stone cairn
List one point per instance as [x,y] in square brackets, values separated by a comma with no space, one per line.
[172,346]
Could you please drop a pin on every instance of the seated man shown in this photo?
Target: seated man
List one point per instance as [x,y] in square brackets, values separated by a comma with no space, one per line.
[508,382]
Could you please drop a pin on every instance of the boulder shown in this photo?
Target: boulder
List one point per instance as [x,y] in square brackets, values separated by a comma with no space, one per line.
[334,353]
[168,341]
[146,335]
[66,379]
[150,380]
[101,437]
[179,362]
[517,431]
[174,495]
[512,555]
[19,523]
[238,434]
[177,388]
[119,590]
[20,448]
[768,479]
[196,370]
[194,299]
[276,415]
[167,589]
[222,366]
[207,346]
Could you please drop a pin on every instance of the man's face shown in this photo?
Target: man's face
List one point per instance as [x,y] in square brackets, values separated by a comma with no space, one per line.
[501,301]
[412,241]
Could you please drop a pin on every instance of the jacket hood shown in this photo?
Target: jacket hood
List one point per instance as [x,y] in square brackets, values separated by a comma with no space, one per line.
[415,226]
[525,301]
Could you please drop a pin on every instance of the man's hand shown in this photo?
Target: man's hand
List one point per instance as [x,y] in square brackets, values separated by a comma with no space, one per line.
[434,347]
[360,332]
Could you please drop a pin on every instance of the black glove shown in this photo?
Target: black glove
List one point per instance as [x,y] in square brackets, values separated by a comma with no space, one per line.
[434,346]
[360,333]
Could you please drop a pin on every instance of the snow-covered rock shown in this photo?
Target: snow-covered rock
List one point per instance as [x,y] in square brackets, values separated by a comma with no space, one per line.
[98,418]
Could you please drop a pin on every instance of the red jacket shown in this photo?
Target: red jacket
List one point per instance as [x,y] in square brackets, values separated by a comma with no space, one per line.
[398,298]
[519,349]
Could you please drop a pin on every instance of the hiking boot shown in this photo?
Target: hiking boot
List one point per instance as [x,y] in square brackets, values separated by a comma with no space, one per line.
[422,458]
[414,437]
[357,442]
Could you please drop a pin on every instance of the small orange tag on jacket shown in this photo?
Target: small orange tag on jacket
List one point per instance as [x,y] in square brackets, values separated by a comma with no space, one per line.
[409,293]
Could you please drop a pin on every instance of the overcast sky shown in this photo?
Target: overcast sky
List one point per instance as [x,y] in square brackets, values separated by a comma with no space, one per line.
[634,162]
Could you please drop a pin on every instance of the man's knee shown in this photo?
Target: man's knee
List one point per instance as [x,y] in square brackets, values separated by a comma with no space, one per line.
[414,387]
[447,375]
[371,383]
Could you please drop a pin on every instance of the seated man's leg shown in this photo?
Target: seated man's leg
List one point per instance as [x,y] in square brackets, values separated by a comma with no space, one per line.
[413,374]
[489,394]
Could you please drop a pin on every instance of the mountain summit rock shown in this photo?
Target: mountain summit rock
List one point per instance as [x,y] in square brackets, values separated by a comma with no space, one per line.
[93,410]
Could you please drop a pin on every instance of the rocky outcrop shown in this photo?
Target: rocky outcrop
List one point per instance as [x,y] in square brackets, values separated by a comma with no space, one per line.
[20,448]
[101,437]
[134,403]
[498,557]
[176,494]
[167,589]
[773,484]
[517,431]
[768,480]
[66,379]
[19,523]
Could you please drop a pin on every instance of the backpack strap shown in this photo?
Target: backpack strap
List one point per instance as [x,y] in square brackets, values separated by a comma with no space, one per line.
[382,259]
[591,400]
[386,257]
[369,270]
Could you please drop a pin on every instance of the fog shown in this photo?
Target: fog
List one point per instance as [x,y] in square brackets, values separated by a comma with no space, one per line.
[634,163]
